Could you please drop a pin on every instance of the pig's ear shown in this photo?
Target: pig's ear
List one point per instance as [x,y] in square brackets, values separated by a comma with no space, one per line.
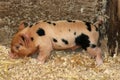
[22,25]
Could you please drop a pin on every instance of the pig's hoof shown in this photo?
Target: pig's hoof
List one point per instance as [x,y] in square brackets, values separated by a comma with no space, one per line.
[99,62]
[40,61]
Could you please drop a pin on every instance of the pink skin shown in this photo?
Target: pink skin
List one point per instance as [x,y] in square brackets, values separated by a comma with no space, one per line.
[96,52]
[12,56]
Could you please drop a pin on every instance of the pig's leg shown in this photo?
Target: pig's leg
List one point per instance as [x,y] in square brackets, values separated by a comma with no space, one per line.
[97,53]
[44,54]
[74,48]
[45,49]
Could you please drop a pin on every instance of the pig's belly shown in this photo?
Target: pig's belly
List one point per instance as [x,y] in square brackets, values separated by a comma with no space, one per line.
[63,46]
[63,41]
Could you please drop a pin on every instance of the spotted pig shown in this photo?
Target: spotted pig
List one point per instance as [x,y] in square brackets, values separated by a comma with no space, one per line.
[43,37]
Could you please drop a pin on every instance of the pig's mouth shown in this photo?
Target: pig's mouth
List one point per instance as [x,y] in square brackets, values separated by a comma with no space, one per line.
[14,55]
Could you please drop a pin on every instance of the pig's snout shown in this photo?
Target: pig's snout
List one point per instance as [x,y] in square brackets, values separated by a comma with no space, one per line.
[12,55]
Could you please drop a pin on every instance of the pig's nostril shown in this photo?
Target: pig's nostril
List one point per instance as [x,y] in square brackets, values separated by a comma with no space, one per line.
[11,55]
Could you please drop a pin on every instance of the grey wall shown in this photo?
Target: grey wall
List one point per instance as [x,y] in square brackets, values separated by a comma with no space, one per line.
[13,11]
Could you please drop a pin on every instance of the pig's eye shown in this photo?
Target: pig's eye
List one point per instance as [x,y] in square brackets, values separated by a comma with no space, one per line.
[17,47]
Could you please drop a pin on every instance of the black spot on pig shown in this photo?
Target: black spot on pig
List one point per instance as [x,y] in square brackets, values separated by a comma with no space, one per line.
[83,41]
[54,24]
[54,40]
[70,21]
[49,22]
[36,23]
[32,38]
[93,46]
[69,30]
[40,32]
[74,33]
[88,24]
[31,25]
[64,41]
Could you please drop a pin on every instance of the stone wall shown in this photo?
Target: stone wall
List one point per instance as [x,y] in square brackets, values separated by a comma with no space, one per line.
[13,11]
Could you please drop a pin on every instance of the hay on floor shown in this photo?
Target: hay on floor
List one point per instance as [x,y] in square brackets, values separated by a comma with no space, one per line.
[62,65]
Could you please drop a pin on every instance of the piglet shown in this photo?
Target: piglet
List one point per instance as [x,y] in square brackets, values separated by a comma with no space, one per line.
[44,36]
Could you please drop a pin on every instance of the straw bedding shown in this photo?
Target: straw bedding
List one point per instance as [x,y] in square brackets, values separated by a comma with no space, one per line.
[62,65]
